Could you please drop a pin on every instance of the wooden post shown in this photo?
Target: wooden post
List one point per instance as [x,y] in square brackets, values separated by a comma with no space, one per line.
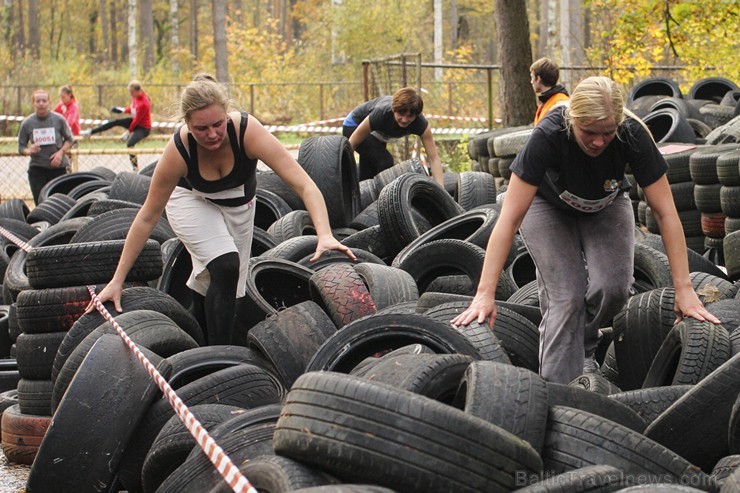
[321,101]
[489,73]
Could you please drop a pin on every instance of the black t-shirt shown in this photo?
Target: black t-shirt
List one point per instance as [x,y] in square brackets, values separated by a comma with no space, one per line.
[382,123]
[555,163]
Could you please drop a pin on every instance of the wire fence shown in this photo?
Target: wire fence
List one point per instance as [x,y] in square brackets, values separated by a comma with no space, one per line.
[14,168]
[458,90]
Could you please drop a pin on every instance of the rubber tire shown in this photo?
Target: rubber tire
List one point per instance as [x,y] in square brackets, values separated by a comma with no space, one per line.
[275,473]
[341,292]
[291,337]
[667,125]
[330,162]
[88,263]
[696,425]
[174,443]
[103,405]
[510,397]
[576,438]
[408,193]
[246,386]
[346,348]
[147,328]
[366,410]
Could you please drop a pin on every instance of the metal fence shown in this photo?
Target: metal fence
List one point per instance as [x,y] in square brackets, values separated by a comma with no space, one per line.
[457,90]
[470,91]
[14,168]
[272,103]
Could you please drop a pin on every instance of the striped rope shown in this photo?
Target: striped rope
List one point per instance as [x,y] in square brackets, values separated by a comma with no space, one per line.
[221,461]
[18,242]
[310,127]
[458,118]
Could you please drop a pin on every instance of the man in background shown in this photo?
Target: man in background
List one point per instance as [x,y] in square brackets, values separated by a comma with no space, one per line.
[545,74]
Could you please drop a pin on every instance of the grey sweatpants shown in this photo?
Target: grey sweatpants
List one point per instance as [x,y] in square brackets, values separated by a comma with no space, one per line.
[584,272]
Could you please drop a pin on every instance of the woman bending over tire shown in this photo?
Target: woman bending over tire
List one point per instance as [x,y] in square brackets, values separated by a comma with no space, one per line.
[206,181]
[568,199]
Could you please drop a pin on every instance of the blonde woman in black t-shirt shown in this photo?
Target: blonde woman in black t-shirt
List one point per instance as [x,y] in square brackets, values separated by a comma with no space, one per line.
[567,198]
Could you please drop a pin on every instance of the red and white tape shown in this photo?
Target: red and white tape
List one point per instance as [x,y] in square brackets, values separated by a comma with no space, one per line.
[458,118]
[319,127]
[219,458]
[18,242]
[221,461]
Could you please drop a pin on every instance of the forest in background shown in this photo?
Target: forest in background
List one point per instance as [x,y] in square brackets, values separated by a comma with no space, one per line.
[280,43]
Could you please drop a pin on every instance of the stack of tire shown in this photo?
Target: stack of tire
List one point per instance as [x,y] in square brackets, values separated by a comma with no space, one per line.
[482,151]
[709,193]
[699,119]
[47,296]
[478,151]
[727,165]
[711,102]
[352,374]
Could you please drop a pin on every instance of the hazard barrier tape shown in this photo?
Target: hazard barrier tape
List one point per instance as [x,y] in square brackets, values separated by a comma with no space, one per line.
[216,454]
[19,243]
[311,127]
[221,461]
[458,118]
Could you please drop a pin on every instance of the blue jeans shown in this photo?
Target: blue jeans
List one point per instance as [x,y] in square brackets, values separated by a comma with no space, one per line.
[584,272]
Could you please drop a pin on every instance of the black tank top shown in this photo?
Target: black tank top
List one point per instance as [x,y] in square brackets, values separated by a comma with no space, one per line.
[243,172]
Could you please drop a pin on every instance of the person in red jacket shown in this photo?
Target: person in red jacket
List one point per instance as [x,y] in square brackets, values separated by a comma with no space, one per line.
[545,74]
[138,125]
[69,108]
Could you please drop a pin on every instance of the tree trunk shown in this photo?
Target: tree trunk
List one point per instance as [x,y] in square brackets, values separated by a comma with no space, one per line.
[132,38]
[515,52]
[146,33]
[92,35]
[296,31]
[194,29]
[219,40]
[256,16]
[174,35]
[53,51]
[113,32]
[453,24]
[8,22]
[438,38]
[34,35]
[20,40]
[571,37]
[542,29]
[104,41]
[56,39]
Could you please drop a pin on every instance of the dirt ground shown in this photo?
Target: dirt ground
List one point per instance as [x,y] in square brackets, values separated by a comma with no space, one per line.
[12,477]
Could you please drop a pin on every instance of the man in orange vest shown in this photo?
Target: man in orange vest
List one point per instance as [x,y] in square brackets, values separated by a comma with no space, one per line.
[545,74]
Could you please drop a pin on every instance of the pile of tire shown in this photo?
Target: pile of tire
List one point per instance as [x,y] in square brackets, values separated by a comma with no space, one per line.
[693,132]
[703,116]
[704,184]
[494,151]
[348,376]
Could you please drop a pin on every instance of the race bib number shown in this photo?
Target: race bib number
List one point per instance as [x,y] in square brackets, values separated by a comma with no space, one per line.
[586,205]
[44,136]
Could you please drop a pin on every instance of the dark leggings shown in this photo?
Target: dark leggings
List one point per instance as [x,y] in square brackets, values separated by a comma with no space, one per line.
[138,134]
[215,311]
[374,156]
[38,177]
